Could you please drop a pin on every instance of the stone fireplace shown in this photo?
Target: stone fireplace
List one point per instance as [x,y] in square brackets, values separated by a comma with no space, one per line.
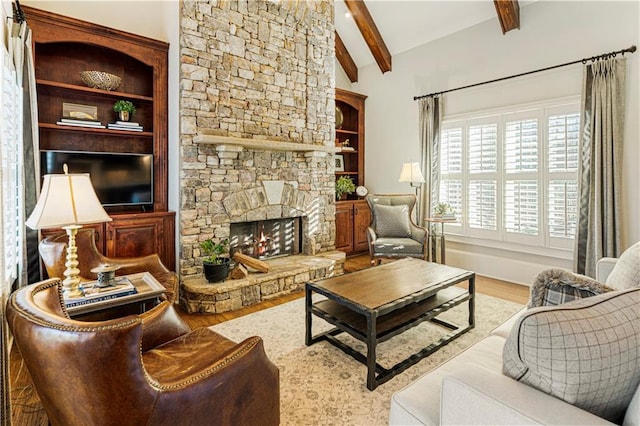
[256,126]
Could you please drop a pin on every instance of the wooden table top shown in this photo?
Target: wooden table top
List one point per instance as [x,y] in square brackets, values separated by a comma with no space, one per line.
[381,285]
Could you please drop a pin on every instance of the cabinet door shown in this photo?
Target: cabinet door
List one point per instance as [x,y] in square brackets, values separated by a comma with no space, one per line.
[344,227]
[362,220]
[134,237]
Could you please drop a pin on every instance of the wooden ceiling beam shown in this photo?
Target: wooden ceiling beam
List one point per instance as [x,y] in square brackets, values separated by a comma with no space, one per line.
[345,59]
[370,32]
[508,14]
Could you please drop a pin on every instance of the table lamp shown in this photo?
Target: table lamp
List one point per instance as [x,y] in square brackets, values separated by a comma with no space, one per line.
[411,173]
[68,201]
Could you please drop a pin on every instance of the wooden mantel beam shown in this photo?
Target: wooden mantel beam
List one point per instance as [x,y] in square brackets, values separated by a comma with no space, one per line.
[508,14]
[345,59]
[370,32]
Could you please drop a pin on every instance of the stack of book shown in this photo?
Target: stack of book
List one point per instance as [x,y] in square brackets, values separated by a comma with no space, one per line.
[80,123]
[125,125]
[93,293]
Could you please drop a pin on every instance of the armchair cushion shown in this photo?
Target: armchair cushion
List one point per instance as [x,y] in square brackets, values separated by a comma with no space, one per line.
[584,352]
[397,247]
[392,221]
[626,272]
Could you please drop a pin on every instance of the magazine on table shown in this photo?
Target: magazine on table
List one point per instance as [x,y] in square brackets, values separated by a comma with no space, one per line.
[93,293]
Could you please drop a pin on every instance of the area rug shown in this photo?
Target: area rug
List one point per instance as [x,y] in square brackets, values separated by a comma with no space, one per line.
[321,385]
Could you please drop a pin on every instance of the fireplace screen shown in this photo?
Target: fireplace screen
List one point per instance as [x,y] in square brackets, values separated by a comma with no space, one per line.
[266,238]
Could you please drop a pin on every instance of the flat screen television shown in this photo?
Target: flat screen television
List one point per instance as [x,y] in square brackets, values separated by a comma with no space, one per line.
[120,179]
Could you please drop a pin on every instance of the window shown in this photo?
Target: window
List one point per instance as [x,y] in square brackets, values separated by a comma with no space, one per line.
[512,174]
[10,144]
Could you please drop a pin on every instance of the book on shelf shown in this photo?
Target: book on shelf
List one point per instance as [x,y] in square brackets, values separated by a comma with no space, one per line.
[80,123]
[93,293]
[348,148]
[114,126]
[128,123]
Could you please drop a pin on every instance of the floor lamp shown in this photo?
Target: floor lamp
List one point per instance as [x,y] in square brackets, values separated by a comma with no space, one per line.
[411,173]
[68,201]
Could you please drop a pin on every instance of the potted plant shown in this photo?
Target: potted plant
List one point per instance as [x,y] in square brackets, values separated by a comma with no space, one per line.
[216,267]
[344,186]
[124,109]
[443,209]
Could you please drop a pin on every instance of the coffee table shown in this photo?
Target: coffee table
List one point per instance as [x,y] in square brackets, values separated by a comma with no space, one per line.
[378,303]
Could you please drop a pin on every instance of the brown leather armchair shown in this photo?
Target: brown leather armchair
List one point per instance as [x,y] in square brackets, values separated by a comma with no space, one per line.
[148,369]
[53,251]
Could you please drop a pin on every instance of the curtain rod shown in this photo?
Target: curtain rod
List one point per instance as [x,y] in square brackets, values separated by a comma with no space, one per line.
[583,60]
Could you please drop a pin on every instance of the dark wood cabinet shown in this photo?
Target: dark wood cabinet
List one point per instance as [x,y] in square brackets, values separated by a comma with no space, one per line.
[352,215]
[63,47]
[361,221]
[350,136]
[135,235]
[352,220]
[344,226]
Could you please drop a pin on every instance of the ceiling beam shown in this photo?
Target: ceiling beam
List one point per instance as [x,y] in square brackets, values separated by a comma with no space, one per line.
[508,14]
[345,59]
[370,32]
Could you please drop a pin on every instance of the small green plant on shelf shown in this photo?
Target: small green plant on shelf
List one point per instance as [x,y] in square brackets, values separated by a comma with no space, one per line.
[124,109]
[344,186]
[443,209]
[213,251]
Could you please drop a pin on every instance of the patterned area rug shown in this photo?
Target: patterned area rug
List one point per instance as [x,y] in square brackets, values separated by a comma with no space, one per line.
[321,385]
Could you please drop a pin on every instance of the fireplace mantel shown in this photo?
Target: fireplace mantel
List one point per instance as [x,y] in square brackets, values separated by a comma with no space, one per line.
[262,144]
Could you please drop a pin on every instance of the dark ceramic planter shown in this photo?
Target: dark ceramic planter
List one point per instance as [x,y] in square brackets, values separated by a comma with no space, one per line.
[216,272]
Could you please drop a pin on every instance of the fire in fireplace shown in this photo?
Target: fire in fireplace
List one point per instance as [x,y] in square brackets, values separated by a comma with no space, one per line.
[265,239]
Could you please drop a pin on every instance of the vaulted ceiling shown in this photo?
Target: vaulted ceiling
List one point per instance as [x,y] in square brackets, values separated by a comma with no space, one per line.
[375,30]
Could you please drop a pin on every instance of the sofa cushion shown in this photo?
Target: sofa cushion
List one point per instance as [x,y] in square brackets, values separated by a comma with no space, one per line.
[626,272]
[584,352]
[419,402]
[392,221]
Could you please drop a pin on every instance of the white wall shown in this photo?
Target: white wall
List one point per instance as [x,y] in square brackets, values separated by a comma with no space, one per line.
[551,33]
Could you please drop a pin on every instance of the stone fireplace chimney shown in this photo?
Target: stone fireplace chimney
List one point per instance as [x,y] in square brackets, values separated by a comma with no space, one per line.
[256,120]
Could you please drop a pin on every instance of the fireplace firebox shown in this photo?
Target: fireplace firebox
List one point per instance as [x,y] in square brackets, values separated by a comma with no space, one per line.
[264,239]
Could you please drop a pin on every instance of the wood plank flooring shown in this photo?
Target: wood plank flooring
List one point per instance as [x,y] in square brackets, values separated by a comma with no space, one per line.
[489,286]
[27,409]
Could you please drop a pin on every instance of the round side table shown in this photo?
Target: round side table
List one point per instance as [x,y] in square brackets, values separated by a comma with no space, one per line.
[433,238]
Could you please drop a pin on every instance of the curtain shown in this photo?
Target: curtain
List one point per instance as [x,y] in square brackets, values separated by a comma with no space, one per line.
[599,172]
[20,50]
[430,118]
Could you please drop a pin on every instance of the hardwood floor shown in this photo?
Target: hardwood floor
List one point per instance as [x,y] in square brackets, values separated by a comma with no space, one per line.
[26,404]
[489,286]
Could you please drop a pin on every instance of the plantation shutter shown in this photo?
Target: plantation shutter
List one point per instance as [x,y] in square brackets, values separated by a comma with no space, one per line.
[521,205]
[482,208]
[562,191]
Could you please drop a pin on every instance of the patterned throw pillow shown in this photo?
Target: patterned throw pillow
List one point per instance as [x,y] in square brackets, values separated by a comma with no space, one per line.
[553,287]
[392,221]
[626,272]
[584,352]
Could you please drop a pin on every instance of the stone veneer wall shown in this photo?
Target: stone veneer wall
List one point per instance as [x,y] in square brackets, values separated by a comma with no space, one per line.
[257,70]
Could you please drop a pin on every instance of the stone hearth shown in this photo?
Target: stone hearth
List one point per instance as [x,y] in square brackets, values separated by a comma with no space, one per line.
[286,275]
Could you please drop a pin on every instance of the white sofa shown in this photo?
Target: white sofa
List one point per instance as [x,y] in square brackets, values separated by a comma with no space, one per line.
[471,389]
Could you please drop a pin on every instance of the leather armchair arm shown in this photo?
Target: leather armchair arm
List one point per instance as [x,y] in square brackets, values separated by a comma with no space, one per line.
[160,325]
[151,264]
[226,376]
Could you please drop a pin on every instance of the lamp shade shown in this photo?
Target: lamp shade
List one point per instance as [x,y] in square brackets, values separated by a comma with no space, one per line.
[411,173]
[67,199]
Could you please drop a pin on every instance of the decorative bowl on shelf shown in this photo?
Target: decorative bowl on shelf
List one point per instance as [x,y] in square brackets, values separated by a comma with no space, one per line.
[339,117]
[100,80]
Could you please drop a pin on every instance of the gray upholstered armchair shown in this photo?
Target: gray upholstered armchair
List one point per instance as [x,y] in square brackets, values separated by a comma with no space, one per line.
[392,233]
